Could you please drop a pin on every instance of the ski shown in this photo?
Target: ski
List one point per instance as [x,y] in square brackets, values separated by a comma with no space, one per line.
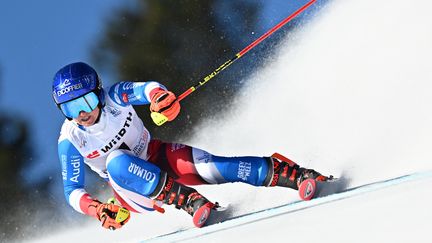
[291,207]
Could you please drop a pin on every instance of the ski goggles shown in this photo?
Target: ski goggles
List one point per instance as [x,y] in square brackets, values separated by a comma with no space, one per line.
[85,103]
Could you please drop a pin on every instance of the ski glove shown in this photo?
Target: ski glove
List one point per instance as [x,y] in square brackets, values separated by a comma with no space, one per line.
[166,103]
[112,216]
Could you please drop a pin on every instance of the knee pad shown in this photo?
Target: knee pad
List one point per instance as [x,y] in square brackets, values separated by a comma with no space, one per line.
[217,169]
[133,173]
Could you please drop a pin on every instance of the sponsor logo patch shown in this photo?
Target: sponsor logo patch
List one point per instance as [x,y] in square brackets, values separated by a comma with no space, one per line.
[64,166]
[309,189]
[119,135]
[177,146]
[76,169]
[93,155]
[125,98]
[204,216]
[141,172]
[114,111]
[244,170]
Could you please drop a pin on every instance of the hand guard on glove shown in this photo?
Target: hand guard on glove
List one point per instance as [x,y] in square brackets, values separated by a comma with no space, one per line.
[112,216]
[165,103]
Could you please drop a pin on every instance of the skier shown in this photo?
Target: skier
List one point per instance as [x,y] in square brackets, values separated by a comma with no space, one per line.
[102,130]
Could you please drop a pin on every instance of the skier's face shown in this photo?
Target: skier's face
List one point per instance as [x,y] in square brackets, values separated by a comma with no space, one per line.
[87,118]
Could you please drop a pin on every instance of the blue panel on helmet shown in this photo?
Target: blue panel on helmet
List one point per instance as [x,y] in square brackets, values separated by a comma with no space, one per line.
[73,81]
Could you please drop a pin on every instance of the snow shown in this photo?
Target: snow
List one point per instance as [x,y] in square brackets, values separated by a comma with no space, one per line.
[348,92]
[382,216]
[298,216]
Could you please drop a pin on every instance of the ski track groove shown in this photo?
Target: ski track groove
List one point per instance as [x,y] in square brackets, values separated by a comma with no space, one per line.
[291,207]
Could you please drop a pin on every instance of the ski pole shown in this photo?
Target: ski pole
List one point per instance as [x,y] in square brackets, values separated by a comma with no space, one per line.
[160,119]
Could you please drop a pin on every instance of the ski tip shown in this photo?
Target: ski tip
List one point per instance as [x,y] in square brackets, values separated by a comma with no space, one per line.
[202,214]
[307,189]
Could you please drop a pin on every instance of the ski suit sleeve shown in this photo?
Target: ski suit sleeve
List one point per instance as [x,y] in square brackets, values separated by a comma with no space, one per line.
[73,177]
[134,93]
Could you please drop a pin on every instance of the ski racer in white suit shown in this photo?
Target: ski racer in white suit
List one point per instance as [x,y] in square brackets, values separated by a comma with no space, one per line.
[102,130]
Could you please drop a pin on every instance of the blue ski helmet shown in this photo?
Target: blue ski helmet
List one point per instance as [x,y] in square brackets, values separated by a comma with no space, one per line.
[73,81]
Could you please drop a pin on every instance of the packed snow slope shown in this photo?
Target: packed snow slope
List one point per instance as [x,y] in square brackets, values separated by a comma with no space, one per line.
[348,92]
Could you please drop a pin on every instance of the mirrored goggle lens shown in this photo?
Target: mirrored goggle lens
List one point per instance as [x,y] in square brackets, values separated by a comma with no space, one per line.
[85,103]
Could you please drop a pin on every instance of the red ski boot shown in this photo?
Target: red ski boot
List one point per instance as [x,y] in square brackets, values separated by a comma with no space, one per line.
[200,208]
[188,199]
[287,173]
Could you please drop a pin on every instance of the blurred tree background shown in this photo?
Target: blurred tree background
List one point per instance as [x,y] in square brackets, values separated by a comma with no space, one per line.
[20,200]
[176,43]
